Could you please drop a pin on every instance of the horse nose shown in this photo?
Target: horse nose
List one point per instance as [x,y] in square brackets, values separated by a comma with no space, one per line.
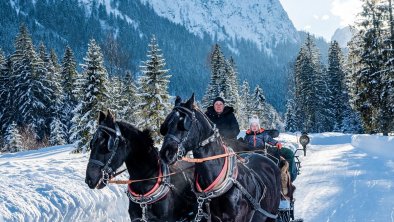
[89,183]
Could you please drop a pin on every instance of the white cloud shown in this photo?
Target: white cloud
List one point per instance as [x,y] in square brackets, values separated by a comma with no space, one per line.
[325,17]
[307,27]
[316,17]
[346,10]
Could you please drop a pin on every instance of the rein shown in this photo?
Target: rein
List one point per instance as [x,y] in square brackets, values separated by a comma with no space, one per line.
[201,160]
[147,179]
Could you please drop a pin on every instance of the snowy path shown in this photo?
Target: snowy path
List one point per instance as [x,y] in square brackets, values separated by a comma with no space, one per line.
[340,182]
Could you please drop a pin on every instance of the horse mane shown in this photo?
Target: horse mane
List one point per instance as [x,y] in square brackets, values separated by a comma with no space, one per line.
[133,134]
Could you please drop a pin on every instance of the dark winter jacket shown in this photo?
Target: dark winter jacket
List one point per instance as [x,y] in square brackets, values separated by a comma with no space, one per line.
[257,140]
[225,121]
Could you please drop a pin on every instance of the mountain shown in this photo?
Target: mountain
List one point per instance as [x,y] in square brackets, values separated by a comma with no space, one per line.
[264,23]
[342,36]
[257,34]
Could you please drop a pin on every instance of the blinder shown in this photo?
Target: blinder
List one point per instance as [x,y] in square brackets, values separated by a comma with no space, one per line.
[185,123]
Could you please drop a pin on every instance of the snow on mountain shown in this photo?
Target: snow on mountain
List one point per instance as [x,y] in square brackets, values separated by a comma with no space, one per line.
[343,178]
[342,36]
[263,22]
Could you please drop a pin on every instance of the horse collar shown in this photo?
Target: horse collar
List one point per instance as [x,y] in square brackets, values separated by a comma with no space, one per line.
[159,190]
[221,185]
[225,179]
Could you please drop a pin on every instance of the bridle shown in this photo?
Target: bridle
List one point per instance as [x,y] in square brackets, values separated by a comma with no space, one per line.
[106,170]
[180,142]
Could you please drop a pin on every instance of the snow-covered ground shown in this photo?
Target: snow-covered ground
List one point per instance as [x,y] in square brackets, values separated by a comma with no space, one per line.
[343,178]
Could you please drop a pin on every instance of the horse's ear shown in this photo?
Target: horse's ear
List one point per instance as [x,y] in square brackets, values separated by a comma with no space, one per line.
[163,129]
[110,117]
[190,102]
[101,117]
[178,101]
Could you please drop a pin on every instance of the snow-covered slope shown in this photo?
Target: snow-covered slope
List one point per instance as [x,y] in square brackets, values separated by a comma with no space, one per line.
[343,178]
[263,22]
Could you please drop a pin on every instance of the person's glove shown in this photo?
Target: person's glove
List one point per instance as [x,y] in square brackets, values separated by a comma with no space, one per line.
[279,145]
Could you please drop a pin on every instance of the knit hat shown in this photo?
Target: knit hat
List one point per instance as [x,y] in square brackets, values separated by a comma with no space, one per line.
[254,119]
[218,99]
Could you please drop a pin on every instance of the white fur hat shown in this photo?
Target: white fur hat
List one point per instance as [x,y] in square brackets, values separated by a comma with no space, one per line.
[254,119]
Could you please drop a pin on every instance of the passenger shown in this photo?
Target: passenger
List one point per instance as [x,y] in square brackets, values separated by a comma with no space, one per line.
[224,118]
[256,138]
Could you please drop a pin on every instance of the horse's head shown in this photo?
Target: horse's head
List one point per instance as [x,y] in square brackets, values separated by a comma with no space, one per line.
[108,151]
[184,130]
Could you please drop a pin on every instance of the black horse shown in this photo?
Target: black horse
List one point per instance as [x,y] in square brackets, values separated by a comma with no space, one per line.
[167,198]
[247,189]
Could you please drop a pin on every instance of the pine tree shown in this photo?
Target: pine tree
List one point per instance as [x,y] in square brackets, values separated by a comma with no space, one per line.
[292,123]
[13,140]
[386,114]
[233,98]
[31,92]
[58,135]
[52,76]
[131,99]
[268,116]
[309,87]
[245,110]
[371,62]
[4,90]
[260,107]
[154,90]
[94,97]
[117,100]
[55,61]
[290,116]
[217,76]
[69,77]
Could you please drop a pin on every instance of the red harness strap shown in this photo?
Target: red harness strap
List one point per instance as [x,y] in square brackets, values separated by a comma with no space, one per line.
[218,179]
[151,191]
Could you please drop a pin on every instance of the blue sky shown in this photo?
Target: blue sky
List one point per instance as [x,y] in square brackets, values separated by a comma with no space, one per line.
[321,17]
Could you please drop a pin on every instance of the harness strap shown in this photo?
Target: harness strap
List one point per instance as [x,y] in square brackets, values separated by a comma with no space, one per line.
[159,190]
[253,201]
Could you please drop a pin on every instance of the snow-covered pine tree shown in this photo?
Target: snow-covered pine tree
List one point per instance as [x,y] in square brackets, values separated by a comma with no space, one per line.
[352,122]
[117,99]
[246,103]
[130,93]
[337,87]
[233,96]
[31,94]
[55,61]
[13,139]
[308,86]
[94,97]
[368,78]
[292,123]
[217,74]
[3,89]
[259,106]
[52,75]
[386,115]
[153,90]
[69,76]
[58,135]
